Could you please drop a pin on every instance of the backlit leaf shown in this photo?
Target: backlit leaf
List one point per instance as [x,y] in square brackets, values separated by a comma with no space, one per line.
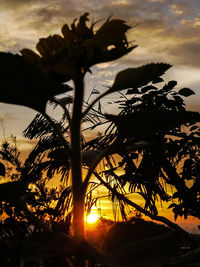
[186,92]
[137,77]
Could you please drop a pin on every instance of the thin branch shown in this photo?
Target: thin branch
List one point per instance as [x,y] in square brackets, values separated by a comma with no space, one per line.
[94,102]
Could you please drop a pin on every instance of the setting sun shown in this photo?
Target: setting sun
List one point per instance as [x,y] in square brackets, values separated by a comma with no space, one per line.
[92,218]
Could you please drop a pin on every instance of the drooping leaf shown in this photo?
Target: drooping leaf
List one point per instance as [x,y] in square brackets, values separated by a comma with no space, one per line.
[23,84]
[2,169]
[137,77]
[186,92]
[145,123]
[48,245]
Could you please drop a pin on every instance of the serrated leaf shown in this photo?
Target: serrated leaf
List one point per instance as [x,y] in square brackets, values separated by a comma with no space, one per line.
[186,92]
[137,77]
[145,123]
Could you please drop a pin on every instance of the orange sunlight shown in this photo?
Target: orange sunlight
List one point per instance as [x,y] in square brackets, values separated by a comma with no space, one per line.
[92,218]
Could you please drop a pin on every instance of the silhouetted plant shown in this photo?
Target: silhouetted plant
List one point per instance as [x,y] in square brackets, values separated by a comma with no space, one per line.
[171,158]
[33,79]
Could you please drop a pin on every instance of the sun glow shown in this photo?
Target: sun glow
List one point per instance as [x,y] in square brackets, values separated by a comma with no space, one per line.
[92,218]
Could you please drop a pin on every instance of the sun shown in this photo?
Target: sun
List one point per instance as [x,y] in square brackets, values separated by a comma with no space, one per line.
[92,218]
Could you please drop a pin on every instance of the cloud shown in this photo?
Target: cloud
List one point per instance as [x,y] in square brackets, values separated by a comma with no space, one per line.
[182,9]
[168,30]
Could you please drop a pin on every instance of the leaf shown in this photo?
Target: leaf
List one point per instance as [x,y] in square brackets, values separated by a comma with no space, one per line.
[186,92]
[133,91]
[2,170]
[137,77]
[23,84]
[145,123]
[157,80]
[59,161]
[38,127]
[48,245]
[147,88]
[168,87]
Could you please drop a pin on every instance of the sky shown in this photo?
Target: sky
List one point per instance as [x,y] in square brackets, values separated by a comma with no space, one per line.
[167,31]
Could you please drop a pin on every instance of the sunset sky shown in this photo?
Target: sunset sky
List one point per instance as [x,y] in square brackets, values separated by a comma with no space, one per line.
[168,31]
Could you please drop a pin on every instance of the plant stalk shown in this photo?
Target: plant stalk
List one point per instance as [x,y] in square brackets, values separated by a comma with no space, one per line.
[78,193]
